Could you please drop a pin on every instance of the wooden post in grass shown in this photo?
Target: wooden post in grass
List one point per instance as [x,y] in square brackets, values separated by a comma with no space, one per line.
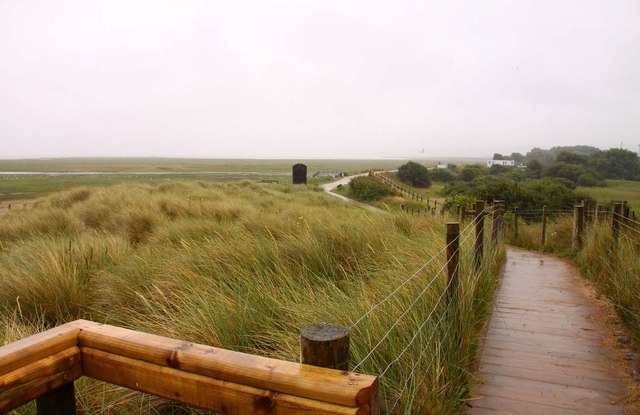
[625,212]
[478,245]
[453,256]
[494,224]
[325,345]
[596,218]
[615,220]
[578,225]
[453,260]
[502,209]
[544,227]
[585,212]
[61,401]
[515,222]
[462,213]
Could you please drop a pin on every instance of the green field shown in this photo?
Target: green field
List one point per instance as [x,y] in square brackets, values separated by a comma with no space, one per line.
[191,165]
[31,186]
[126,170]
[616,190]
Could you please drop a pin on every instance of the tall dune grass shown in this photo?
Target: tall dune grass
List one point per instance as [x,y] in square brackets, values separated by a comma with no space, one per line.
[244,266]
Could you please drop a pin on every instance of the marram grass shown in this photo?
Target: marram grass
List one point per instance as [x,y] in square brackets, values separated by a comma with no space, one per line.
[244,266]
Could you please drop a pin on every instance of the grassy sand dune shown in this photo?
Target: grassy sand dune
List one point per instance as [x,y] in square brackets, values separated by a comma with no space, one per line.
[243,266]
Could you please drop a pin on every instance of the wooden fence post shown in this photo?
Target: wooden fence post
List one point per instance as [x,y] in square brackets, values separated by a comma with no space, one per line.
[585,212]
[325,345]
[544,227]
[515,222]
[625,212]
[453,251]
[479,242]
[615,220]
[462,213]
[578,225]
[596,218]
[61,401]
[494,224]
[453,261]
[503,210]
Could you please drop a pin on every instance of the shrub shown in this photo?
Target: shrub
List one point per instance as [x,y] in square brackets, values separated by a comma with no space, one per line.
[367,189]
[472,171]
[442,175]
[414,173]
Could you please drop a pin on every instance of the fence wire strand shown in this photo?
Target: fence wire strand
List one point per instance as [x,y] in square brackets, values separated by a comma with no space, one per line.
[415,336]
[404,283]
[395,323]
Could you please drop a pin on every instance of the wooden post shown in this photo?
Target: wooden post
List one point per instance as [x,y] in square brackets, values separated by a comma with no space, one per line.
[615,220]
[61,401]
[479,242]
[325,345]
[585,212]
[578,225]
[544,227]
[515,222]
[494,225]
[453,261]
[453,255]
[462,213]
[596,218]
[625,212]
[502,207]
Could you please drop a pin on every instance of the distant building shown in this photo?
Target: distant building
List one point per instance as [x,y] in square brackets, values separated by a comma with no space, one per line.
[500,163]
[442,165]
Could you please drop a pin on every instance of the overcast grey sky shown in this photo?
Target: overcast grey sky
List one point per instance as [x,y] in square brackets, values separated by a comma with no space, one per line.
[315,78]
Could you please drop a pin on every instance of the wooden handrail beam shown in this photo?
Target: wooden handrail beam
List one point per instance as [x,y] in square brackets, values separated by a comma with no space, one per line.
[232,382]
[198,390]
[33,348]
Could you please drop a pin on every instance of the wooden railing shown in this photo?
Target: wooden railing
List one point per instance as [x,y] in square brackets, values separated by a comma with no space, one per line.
[44,367]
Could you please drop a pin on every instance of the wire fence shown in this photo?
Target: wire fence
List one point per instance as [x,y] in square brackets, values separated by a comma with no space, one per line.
[422,326]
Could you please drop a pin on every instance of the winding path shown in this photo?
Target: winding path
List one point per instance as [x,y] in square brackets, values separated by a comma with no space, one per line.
[544,353]
[328,187]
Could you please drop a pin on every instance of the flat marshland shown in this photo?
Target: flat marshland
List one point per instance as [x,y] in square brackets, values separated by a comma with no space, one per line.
[244,265]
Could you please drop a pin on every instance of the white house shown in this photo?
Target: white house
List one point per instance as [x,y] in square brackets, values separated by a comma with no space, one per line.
[442,165]
[500,163]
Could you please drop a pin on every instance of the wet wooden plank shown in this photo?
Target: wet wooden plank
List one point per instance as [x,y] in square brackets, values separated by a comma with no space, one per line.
[542,353]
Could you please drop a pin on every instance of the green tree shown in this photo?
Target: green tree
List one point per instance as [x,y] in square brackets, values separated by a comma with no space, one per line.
[414,173]
[566,170]
[616,163]
[572,158]
[517,157]
[534,168]
[472,171]
[497,169]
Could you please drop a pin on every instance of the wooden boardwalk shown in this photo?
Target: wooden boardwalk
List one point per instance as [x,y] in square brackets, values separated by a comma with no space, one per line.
[543,353]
